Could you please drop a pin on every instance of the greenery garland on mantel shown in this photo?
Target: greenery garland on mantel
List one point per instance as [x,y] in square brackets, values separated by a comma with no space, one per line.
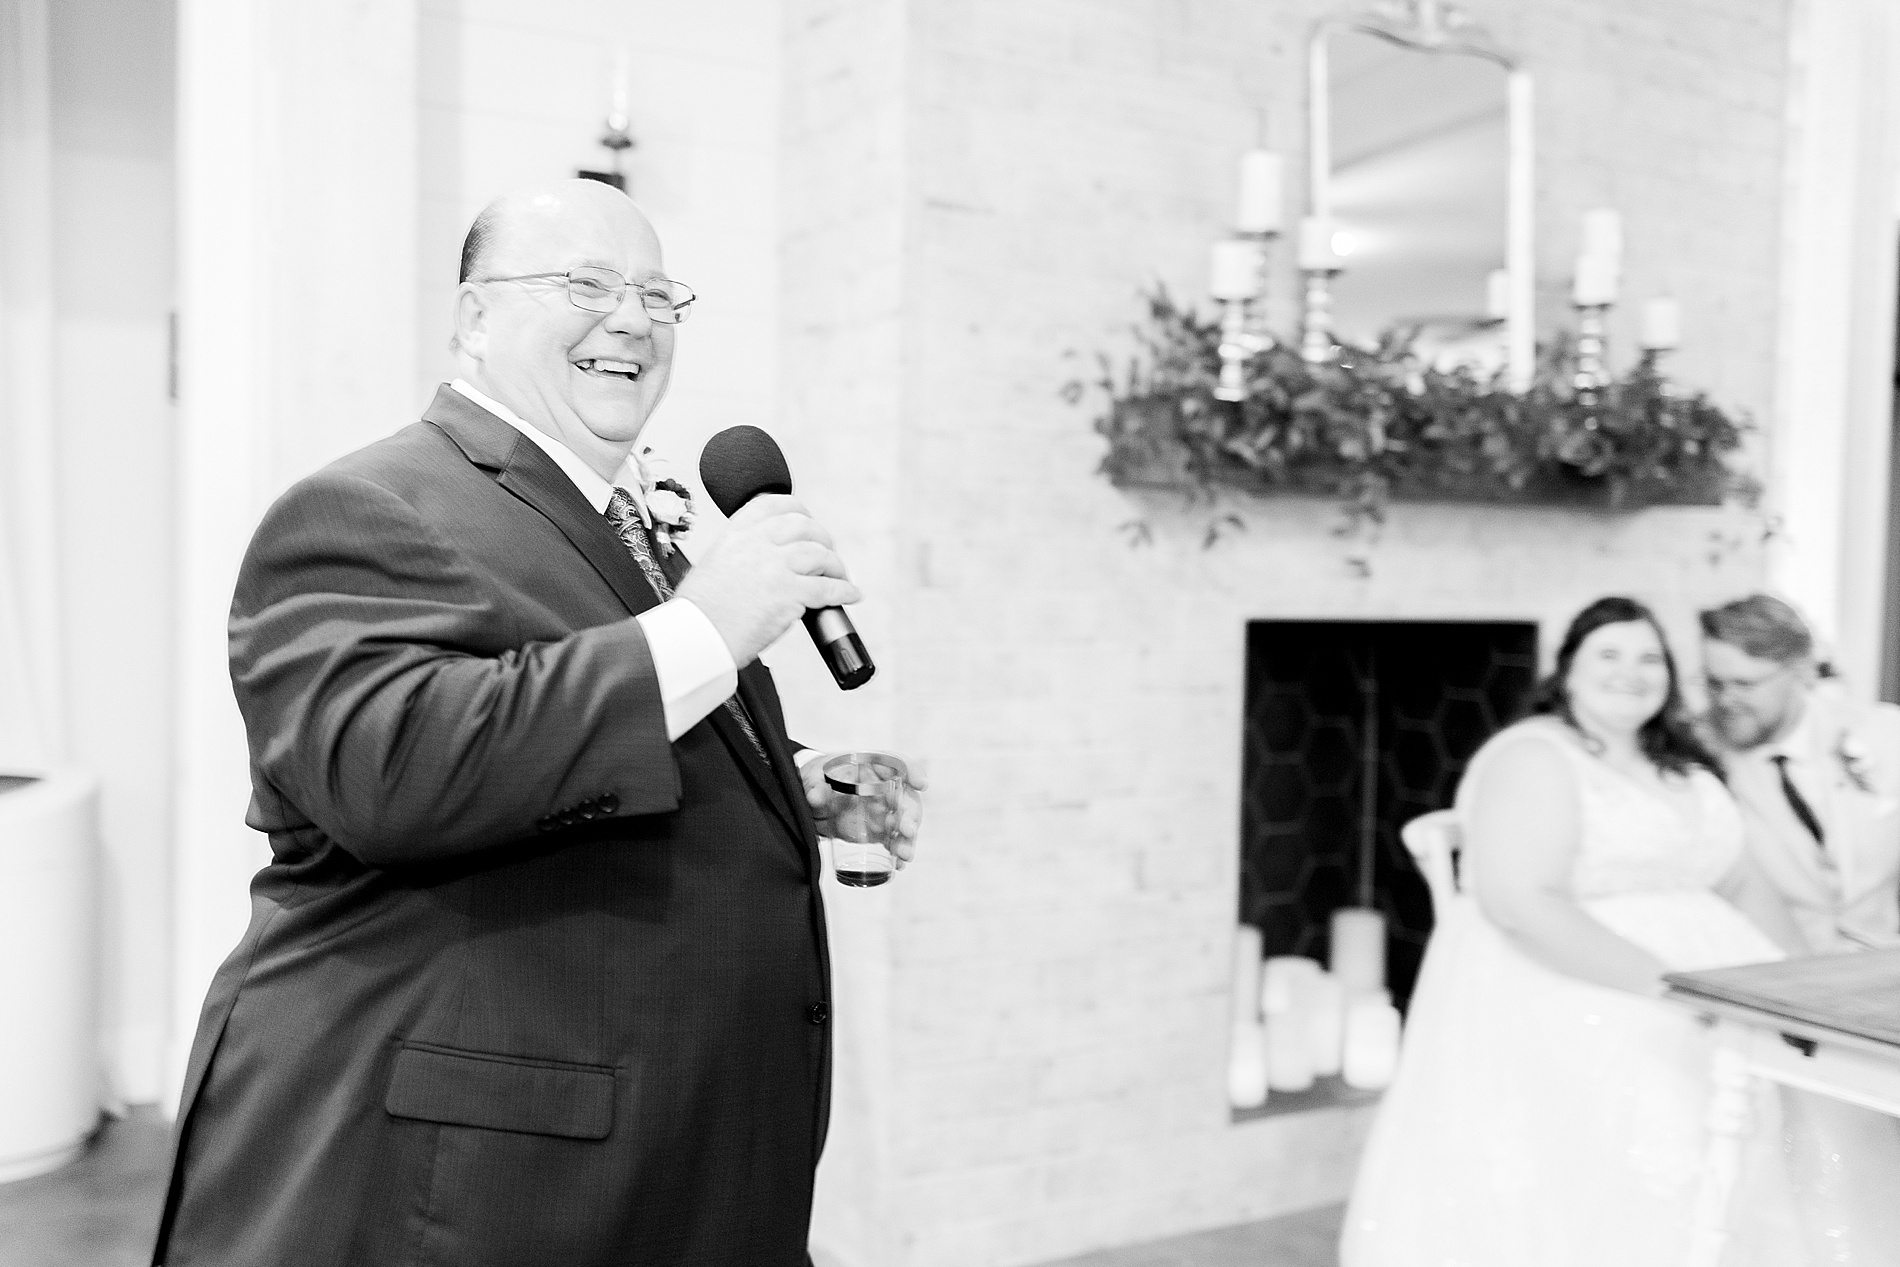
[1378,426]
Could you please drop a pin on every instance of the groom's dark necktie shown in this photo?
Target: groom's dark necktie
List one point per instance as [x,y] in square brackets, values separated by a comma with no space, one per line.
[1799,804]
[632,531]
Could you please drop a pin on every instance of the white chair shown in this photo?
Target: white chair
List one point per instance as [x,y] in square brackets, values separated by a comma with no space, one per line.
[1434,840]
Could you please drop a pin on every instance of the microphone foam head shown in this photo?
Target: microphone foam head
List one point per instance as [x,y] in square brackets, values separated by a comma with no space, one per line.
[740,463]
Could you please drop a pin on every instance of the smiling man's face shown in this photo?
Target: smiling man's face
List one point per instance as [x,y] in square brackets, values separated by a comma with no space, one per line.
[590,379]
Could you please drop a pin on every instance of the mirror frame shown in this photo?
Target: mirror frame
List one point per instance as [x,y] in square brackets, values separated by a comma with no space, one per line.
[1431,27]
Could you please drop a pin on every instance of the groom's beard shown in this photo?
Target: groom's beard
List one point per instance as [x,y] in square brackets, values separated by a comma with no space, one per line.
[1742,727]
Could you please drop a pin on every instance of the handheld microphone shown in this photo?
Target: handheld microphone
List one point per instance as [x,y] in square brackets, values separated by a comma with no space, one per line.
[739,464]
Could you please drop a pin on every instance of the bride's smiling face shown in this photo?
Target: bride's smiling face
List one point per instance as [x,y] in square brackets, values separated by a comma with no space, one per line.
[1620,677]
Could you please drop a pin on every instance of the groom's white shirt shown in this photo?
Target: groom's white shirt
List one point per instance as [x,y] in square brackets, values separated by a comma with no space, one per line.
[1855,884]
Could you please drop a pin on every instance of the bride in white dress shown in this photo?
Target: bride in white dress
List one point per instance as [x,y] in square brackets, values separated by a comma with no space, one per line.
[1549,1108]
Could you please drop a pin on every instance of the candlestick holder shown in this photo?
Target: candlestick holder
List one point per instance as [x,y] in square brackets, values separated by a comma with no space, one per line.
[1316,331]
[1592,340]
[1653,362]
[1241,339]
[1243,333]
[616,139]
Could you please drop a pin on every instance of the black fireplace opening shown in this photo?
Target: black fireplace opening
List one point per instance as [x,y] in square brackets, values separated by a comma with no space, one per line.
[1328,701]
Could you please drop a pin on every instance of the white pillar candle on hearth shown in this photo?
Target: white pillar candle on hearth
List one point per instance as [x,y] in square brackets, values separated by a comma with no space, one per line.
[1261,201]
[1246,978]
[1371,1054]
[1289,1052]
[1284,981]
[1247,1066]
[1317,234]
[1234,267]
[1662,325]
[1286,993]
[1325,1023]
[1358,950]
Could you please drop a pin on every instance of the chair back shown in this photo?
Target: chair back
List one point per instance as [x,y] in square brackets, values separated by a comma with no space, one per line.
[1434,840]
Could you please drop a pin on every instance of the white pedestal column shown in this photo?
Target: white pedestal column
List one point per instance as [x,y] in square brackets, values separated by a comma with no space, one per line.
[1830,434]
[297,215]
[31,717]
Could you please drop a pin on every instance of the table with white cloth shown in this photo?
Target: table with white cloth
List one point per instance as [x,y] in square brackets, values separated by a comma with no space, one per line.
[1827,1024]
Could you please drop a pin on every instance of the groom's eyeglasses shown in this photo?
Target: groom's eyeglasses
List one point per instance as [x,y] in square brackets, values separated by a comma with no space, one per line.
[1720,686]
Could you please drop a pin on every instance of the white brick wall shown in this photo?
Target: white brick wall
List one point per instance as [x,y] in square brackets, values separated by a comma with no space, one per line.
[1032,1021]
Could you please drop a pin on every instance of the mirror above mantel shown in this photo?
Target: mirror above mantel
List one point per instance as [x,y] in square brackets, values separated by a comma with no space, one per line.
[1417,373]
[1420,183]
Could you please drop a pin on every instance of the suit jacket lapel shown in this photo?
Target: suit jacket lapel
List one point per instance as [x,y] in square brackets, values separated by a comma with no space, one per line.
[761,701]
[524,470]
[764,779]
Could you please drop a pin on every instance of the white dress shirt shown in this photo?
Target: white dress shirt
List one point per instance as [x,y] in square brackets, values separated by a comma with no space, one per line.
[692,662]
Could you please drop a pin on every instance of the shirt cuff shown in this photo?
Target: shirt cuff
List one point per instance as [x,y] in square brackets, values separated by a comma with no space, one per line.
[695,670]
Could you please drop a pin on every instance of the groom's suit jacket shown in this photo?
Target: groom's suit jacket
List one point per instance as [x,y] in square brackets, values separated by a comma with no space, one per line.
[1855,884]
[525,983]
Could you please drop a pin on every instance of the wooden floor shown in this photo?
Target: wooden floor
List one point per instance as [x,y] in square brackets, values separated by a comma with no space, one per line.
[102,1211]
[1307,1239]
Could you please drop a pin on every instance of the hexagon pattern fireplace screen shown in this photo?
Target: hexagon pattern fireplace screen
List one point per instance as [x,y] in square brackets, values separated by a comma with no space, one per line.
[1326,700]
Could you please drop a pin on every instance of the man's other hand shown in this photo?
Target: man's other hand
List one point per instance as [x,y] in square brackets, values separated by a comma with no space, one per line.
[773,563]
[825,803]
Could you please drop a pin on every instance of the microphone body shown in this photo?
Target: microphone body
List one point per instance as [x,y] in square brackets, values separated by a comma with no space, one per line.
[839,644]
[741,463]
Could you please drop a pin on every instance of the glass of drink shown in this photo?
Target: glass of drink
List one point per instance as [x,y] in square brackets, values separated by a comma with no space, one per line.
[871,788]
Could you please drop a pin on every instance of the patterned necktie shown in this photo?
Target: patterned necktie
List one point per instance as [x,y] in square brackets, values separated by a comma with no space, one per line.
[1799,804]
[632,531]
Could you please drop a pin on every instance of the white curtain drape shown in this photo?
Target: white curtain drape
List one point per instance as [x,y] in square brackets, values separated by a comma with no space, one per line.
[31,721]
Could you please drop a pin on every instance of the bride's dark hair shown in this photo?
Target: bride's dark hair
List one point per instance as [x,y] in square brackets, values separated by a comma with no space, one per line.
[1668,739]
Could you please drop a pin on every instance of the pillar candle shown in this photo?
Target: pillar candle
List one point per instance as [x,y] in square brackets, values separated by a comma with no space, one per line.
[1247,1066]
[1603,235]
[1596,280]
[1358,953]
[1497,294]
[1234,269]
[1316,244]
[1662,325]
[623,64]
[1325,1022]
[1260,192]
[1246,978]
[1289,1053]
[1371,1053]
[1284,982]
[1286,992]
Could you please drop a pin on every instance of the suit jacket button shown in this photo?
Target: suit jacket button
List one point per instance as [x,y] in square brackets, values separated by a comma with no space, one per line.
[608,802]
[819,1012]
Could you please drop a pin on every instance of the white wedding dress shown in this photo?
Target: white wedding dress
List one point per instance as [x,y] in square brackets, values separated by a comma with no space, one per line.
[1538,1120]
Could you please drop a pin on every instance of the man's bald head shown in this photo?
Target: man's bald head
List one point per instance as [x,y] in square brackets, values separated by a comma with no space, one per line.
[586,377]
[528,213]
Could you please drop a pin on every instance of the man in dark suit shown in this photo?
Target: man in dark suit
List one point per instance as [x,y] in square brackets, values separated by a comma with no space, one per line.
[537,974]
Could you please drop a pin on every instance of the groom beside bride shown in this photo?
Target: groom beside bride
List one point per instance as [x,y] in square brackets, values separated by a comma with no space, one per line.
[1550,1104]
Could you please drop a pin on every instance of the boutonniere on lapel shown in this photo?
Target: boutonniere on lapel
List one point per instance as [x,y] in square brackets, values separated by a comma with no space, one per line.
[670,503]
[1855,762]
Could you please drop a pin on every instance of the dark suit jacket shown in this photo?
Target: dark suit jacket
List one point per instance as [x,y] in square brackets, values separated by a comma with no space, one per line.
[524,983]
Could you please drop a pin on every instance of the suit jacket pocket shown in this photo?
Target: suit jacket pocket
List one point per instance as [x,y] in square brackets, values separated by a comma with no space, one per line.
[501,1093]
